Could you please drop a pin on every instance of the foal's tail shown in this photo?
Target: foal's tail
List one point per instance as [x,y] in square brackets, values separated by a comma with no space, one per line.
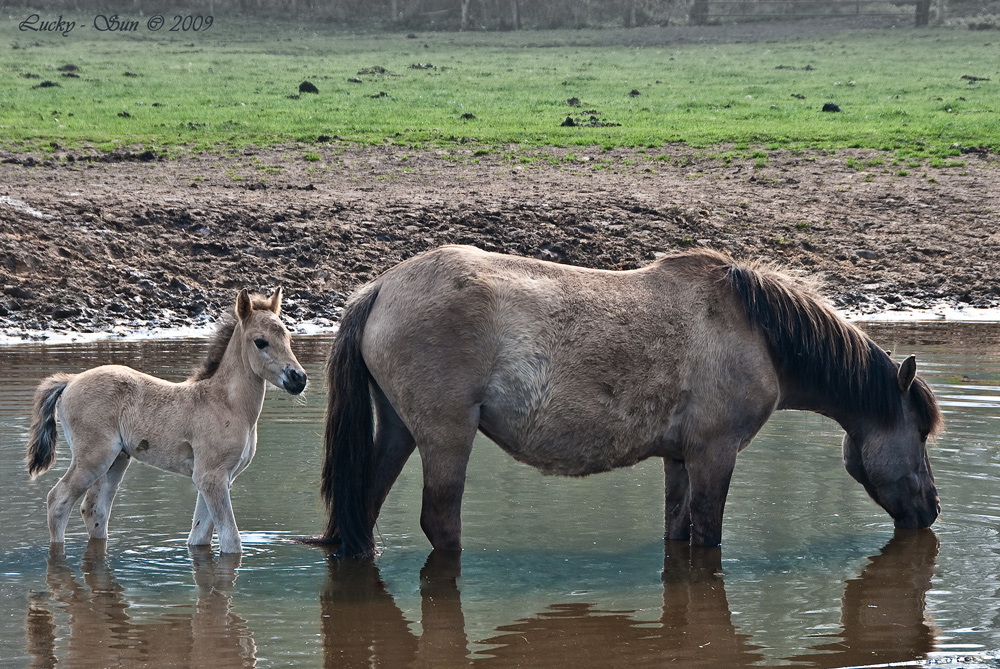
[349,464]
[41,451]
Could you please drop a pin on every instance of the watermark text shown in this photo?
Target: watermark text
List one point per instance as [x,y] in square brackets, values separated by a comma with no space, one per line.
[118,24]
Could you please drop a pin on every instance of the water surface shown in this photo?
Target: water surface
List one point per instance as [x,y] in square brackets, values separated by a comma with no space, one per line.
[556,572]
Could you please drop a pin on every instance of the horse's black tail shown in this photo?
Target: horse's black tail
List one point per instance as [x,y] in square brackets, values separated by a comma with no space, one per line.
[41,451]
[349,463]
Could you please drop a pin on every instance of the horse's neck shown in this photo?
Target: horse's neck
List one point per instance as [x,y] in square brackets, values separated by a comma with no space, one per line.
[813,396]
[244,390]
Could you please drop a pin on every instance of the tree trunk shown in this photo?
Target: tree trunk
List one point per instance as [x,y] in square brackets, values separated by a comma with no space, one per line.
[394,10]
[699,12]
[942,10]
[923,12]
[465,14]
[515,15]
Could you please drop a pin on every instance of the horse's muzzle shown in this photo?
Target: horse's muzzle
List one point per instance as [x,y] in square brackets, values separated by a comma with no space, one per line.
[293,380]
[921,516]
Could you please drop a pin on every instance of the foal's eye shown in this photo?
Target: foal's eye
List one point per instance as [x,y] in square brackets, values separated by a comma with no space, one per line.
[260,343]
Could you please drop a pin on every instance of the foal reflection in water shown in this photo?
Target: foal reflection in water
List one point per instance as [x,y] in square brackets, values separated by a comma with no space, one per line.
[882,616]
[102,631]
[577,371]
[205,427]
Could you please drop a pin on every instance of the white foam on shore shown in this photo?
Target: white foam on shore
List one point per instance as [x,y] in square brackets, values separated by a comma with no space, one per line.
[943,313]
[124,333]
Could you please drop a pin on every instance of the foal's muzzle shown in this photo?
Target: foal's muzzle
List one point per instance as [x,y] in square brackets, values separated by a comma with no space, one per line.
[293,380]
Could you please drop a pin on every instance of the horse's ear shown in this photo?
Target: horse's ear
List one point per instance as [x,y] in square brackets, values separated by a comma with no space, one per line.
[276,301]
[243,306]
[907,371]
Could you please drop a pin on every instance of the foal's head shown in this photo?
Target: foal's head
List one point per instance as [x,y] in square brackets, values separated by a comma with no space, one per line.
[266,342]
[890,460]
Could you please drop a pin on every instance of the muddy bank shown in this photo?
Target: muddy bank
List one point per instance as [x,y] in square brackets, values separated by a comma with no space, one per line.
[89,242]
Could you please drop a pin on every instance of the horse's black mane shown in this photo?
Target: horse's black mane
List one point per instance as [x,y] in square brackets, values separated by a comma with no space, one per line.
[220,339]
[810,343]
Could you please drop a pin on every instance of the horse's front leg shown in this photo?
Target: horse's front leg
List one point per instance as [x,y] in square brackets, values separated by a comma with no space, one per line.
[202,527]
[213,487]
[709,475]
[677,493]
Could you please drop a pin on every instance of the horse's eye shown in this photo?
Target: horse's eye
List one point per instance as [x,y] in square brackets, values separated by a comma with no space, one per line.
[260,343]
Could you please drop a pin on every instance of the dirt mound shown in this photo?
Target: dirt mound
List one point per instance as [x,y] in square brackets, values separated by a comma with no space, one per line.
[88,245]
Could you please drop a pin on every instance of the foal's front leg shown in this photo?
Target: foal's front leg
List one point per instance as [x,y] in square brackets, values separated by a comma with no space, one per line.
[213,488]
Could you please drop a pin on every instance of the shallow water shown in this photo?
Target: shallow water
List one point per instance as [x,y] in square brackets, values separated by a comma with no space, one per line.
[563,572]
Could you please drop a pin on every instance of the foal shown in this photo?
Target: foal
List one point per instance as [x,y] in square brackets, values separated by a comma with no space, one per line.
[204,427]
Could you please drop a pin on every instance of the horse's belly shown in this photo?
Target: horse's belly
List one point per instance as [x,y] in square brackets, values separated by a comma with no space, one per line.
[566,454]
[177,458]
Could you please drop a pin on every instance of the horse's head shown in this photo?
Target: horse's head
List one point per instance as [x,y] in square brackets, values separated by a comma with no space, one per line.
[267,344]
[891,461]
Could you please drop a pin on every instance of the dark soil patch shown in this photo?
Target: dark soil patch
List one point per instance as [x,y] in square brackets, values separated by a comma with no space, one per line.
[138,241]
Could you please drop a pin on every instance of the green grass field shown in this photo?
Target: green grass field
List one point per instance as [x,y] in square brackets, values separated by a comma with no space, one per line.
[230,86]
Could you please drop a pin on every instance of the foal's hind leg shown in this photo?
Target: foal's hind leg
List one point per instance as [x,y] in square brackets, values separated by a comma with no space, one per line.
[80,475]
[96,507]
[444,453]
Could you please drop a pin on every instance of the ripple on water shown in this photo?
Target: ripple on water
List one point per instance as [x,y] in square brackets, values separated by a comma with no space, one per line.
[800,537]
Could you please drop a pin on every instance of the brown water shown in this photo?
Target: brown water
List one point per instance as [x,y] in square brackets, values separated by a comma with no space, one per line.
[556,572]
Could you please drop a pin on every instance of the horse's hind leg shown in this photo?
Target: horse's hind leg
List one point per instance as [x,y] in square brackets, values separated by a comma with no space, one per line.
[393,446]
[445,458]
[96,507]
[677,490]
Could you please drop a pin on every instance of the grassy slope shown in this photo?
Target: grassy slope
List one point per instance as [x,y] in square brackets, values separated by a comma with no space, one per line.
[900,89]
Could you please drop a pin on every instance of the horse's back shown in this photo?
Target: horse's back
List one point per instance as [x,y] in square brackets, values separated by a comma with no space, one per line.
[108,393]
[112,381]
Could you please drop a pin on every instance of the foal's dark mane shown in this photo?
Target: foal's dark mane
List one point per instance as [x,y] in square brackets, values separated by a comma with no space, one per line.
[220,339]
[813,346]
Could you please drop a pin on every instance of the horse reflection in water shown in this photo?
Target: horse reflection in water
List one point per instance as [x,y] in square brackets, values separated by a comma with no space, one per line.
[882,613]
[883,619]
[102,632]
[362,626]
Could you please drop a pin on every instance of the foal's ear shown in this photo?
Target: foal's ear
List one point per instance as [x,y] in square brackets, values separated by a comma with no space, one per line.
[275,305]
[243,306]
[907,371]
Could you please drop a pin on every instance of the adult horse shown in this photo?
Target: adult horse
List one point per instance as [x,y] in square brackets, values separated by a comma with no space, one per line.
[205,427]
[576,371]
